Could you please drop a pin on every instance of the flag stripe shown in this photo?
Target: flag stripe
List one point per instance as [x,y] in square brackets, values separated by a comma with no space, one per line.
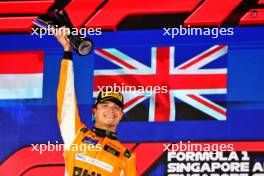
[198,59]
[208,104]
[18,81]
[21,62]
[129,103]
[21,86]
[162,100]
[111,56]
[174,82]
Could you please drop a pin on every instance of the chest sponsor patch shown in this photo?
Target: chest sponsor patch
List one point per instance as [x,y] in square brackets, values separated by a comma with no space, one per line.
[88,140]
[111,150]
[94,161]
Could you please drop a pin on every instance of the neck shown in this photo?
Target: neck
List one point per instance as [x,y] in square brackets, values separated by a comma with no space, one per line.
[103,127]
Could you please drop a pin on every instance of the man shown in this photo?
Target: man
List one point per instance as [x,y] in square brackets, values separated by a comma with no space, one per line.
[104,154]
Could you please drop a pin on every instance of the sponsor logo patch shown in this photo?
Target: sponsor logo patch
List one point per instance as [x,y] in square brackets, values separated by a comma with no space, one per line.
[94,161]
[111,150]
[89,141]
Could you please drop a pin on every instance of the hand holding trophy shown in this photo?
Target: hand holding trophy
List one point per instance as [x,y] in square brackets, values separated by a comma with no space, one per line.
[57,19]
[62,37]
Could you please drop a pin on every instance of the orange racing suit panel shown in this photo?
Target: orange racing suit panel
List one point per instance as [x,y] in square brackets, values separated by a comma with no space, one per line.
[86,152]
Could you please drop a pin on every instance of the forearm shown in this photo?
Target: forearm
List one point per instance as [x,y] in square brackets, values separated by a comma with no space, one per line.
[63,90]
[68,117]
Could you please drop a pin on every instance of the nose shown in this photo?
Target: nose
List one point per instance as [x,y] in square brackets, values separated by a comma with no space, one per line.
[111,109]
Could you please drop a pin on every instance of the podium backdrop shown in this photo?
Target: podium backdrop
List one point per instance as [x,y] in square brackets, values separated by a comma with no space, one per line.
[212,86]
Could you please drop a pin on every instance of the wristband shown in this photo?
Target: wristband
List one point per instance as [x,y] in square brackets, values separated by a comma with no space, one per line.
[67,55]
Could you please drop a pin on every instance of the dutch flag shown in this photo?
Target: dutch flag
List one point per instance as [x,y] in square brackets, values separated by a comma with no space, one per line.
[21,74]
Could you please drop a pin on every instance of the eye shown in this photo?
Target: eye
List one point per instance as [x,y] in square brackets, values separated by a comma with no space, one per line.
[104,105]
[117,108]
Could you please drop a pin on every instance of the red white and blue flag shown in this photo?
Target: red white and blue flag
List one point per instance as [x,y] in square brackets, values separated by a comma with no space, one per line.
[195,78]
[21,75]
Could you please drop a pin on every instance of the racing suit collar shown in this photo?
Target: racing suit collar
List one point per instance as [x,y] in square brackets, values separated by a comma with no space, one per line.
[105,133]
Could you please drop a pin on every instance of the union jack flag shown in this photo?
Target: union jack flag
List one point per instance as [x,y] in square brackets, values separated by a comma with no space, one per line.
[191,76]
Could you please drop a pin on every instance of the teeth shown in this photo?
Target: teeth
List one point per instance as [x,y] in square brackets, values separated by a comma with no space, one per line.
[110,116]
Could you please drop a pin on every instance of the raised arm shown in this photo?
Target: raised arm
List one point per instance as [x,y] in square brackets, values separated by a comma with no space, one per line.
[67,110]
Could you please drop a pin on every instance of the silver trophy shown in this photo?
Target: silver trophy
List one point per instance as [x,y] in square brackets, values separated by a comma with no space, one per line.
[56,19]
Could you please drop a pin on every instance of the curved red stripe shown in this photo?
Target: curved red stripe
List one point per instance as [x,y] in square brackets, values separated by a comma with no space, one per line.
[261,2]
[50,170]
[147,154]
[25,7]
[254,16]
[25,158]
[16,24]
[218,10]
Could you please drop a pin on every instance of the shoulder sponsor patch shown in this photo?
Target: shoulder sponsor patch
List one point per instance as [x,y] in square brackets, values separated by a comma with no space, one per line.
[111,150]
[88,140]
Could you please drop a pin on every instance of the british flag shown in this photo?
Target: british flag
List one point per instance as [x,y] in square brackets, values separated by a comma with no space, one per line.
[194,76]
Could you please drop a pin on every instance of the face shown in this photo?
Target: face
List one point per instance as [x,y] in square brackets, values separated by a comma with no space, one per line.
[107,115]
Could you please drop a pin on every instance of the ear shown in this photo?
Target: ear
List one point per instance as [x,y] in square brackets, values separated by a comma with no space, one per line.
[93,111]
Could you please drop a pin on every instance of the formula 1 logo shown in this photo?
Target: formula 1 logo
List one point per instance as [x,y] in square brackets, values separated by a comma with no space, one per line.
[17,16]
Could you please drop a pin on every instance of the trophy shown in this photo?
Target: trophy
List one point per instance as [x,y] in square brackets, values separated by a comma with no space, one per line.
[55,19]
